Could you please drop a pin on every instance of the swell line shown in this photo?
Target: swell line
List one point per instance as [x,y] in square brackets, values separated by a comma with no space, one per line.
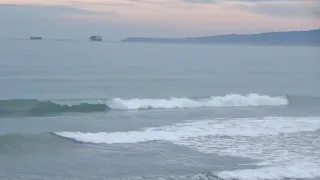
[34,107]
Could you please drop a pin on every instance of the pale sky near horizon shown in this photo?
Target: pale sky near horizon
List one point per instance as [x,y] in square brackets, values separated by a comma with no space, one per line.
[116,19]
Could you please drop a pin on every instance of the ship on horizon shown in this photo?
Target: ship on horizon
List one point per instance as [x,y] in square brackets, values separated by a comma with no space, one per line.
[96,38]
[35,38]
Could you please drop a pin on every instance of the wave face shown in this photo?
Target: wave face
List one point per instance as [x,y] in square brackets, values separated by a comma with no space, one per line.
[36,107]
[17,142]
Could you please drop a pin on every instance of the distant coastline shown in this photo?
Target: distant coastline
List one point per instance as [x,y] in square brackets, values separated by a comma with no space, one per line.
[310,37]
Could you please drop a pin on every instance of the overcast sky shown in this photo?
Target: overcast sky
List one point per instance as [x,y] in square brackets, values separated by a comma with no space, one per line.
[116,19]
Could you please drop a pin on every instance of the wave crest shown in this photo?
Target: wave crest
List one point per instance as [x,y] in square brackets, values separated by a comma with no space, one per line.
[38,107]
[231,100]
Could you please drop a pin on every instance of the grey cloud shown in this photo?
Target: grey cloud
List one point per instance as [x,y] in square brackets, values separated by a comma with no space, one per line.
[53,22]
[277,9]
[34,9]
[265,0]
[147,1]
[99,4]
[201,1]
[7,5]
[215,1]
[26,20]
[166,4]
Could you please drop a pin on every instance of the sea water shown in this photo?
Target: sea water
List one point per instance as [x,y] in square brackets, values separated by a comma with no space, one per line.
[133,111]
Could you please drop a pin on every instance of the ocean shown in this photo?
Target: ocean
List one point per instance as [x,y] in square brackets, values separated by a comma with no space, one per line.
[78,110]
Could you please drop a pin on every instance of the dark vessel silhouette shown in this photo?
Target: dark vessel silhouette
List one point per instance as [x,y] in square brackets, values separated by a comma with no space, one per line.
[95,38]
[35,38]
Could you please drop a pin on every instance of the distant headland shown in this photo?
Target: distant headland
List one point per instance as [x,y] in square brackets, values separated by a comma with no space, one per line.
[310,37]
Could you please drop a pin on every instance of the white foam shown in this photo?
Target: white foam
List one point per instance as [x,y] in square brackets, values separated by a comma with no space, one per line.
[294,171]
[299,171]
[117,137]
[286,144]
[282,149]
[219,127]
[231,100]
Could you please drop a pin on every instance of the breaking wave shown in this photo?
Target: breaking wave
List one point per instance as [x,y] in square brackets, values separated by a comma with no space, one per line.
[11,143]
[292,172]
[302,170]
[187,134]
[37,107]
[178,132]
[231,100]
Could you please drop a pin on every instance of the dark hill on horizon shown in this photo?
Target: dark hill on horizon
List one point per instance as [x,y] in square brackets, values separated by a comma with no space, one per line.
[310,37]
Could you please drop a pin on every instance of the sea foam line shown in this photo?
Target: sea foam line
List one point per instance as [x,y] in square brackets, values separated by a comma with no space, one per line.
[219,127]
[301,170]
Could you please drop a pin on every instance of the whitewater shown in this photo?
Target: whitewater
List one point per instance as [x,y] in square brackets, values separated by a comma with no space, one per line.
[120,111]
[268,140]
[230,100]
